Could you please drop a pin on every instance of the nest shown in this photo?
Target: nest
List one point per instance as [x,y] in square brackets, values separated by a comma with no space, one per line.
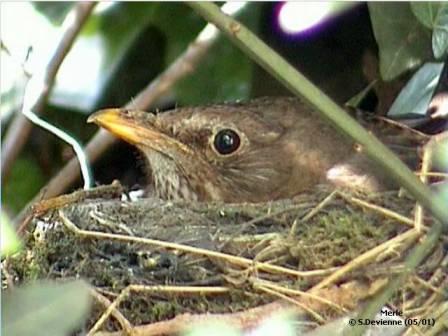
[156,266]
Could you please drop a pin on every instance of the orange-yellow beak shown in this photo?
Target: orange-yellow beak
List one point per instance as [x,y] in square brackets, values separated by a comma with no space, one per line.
[138,128]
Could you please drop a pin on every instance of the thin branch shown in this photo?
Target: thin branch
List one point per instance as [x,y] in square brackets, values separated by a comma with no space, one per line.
[20,128]
[301,86]
[245,320]
[105,302]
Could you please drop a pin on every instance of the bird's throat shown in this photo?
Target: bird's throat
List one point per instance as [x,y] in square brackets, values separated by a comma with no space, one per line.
[169,182]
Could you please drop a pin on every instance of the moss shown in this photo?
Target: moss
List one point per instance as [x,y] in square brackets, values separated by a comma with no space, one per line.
[337,237]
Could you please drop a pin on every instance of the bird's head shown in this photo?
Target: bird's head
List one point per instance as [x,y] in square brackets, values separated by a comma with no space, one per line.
[229,152]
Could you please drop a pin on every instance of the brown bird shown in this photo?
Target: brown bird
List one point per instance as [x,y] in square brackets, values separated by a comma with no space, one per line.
[265,149]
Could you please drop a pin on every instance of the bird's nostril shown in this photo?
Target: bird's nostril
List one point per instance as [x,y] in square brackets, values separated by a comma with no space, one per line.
[126,112]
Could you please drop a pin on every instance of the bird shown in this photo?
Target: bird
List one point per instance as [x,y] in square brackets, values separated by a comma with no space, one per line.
[264,149]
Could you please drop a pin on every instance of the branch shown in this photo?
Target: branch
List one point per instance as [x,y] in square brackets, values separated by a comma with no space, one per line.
[299,85]
[20,127]
[243,320]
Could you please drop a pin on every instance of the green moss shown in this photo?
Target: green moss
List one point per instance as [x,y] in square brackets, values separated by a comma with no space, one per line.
[337,237]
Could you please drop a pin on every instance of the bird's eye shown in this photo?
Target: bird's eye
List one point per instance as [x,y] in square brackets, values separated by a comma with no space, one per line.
[226,141]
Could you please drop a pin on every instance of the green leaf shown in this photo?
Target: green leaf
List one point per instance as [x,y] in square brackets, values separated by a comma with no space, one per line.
[9,241]
[415,97]
[434,15]
[426,12]
[404,43]
[45,308]
[440,33]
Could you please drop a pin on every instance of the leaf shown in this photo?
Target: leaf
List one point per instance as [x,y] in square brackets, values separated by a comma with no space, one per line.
[426,12]
[404,43]
[416,95]
[45,308]
[440,33]
[434,15]
[9,241]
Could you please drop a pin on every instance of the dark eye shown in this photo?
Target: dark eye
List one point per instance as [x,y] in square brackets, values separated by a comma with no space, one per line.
[226,141]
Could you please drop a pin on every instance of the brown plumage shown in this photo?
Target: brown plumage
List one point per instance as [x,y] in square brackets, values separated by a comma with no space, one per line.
[265,149]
